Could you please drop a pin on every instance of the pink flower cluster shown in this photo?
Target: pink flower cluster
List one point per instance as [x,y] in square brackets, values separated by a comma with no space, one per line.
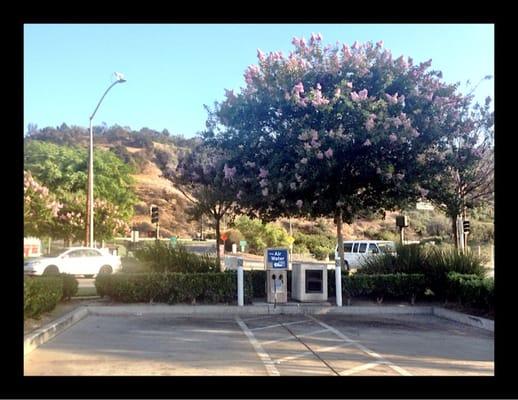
[229,172]
[251,72]
[361,95]
[318,99]
[369,125]
[263,173]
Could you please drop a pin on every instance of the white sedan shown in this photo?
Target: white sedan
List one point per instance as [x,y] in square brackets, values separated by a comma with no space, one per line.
[84,261]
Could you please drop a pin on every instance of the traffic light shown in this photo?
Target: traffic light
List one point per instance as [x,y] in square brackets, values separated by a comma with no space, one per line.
[465,224]
[154,214]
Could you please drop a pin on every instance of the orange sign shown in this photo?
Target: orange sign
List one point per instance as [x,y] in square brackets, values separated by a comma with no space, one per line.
[224,236]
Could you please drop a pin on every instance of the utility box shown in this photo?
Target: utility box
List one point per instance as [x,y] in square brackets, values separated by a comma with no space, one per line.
[309,282]
[276,264]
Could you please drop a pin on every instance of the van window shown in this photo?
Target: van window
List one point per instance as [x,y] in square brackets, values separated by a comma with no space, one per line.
[373,249]
[348,247]
[388,247]
[363,247]
[355,248]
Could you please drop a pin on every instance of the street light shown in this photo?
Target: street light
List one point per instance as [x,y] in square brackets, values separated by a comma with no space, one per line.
[90,198]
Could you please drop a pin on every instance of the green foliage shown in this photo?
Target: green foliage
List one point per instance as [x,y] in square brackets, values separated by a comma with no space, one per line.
[64,170]
[173,288]
[162,257]
[481,232]
[318,245]
[434,262]
[41,294]
[472,290]
[70,286]
[233,236]
[259,236]
[380,286]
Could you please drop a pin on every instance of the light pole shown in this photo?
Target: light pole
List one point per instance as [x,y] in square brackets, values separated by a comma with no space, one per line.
[90,198]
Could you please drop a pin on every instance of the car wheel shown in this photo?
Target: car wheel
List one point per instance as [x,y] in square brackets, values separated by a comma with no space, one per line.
[105,269]
[51,270]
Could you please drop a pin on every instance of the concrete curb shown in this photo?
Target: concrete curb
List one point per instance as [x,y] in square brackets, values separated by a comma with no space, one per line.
[47,332]
[477,322]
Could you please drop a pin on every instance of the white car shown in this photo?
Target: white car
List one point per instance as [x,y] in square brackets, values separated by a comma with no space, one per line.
[84,261]
[356,251]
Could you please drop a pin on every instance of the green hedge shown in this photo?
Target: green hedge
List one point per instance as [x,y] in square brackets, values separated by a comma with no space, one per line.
[381,286]
[41,294]
[471,290]
[70,286]
[172,288]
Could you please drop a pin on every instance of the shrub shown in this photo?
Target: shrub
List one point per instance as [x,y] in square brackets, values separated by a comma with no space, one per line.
[471,290]
[162,257]
[41,294]
[70,286]
[318,245]
[259,236]
[171,288]
[432,261]
[380,286]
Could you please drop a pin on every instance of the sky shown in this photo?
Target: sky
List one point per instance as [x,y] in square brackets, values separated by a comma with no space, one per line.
[172,70]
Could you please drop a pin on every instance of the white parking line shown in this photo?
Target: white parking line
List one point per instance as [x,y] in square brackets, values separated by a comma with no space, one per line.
[291,337]
[361,347]
[289,358]
[360,368]
[265,358]
[276,325]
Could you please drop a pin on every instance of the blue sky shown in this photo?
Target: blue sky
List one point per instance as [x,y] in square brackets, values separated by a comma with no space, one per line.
[172,70]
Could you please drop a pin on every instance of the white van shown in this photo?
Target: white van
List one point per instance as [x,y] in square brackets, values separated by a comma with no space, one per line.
[355,251]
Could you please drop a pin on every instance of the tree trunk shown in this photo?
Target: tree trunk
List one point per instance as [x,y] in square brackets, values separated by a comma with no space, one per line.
[218,259]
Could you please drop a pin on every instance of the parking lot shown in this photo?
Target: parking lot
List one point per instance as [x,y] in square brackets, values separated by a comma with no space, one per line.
[260,345]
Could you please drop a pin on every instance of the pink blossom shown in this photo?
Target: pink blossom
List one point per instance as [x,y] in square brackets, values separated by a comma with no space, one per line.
[379,44]
[392,137]
[314,134]
[239,194]
[263,173]
[346,52]
[299,203]
[415,132]
[250,164]
[367,143]
[230,94]
[307,146]
[363,94]
[354,96]
[370,122]
[320,155]
[338,92]
[423,192]
[265,192]
[329,152]
[304,160]
[229,172]
[349,85]
[260,55]
[391,99]
[298,88]
[400,176]
[401,99]
[356,45]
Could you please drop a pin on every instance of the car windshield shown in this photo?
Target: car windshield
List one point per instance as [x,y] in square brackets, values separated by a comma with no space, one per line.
[387,247]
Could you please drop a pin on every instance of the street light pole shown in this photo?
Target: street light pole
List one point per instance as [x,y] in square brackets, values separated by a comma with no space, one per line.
[90,198]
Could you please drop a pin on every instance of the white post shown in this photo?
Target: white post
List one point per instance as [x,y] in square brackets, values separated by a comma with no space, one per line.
[338,281]
[240,291]
[234,248]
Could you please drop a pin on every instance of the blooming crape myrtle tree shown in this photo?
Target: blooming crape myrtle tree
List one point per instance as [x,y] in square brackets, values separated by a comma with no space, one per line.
[40,207]
[464,176]
[332,131]
[108,219]
[207,182]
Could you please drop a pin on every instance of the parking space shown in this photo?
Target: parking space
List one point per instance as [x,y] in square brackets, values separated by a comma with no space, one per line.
[276,345]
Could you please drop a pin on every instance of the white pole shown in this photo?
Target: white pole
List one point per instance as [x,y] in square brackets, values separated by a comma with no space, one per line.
[338,281]
[240,292]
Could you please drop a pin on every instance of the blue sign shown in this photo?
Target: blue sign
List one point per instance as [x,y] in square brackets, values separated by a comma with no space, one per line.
[278,258]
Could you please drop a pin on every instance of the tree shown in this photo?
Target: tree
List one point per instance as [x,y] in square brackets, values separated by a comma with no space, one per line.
[207,183]
[39,207]
[464,168]
[63,170]
[332,131]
